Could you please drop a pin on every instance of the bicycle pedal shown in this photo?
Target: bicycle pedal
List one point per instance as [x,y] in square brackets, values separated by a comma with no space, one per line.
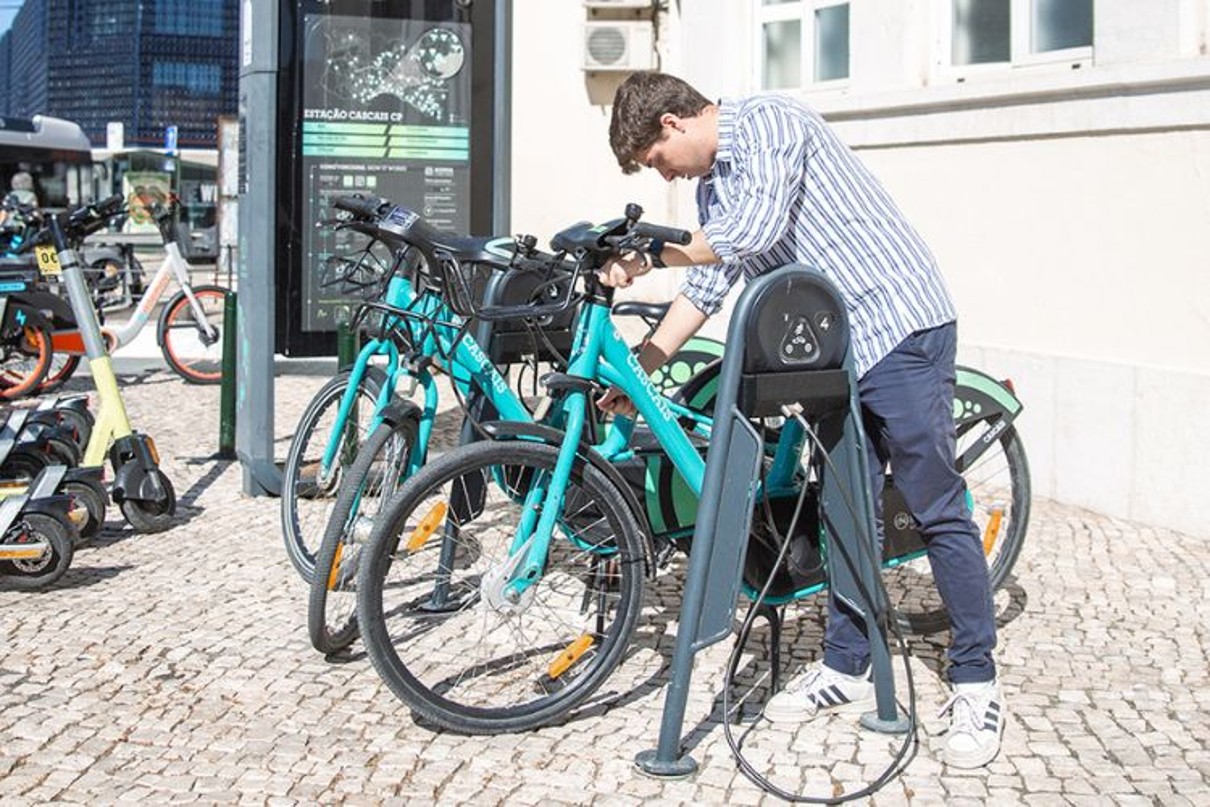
[663,553]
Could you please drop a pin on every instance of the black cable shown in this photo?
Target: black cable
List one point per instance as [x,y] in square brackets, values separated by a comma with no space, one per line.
[910,743]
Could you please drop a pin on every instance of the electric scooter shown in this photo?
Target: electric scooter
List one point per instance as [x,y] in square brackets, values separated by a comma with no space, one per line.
[140,488]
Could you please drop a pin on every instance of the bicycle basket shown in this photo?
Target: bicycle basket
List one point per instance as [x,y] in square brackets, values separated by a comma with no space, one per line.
[363,274]
[464,285]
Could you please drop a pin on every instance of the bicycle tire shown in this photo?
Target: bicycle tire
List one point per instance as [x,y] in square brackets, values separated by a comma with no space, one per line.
[306,504]
[36,573]
[441,620]
[26,358]
[999,492]
[179,333]
[62,367]
[372,479]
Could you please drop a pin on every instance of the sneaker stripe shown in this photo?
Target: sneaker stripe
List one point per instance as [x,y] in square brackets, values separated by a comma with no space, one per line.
[824,697]
[993,706]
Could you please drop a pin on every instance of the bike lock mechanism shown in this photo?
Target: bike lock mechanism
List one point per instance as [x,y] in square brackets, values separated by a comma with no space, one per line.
[787,344]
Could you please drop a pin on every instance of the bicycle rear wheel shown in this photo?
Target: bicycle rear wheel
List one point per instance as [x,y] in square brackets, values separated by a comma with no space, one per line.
[193,348]
[62,367]
[373,478]
[307,497]
[998,491]
[435,615]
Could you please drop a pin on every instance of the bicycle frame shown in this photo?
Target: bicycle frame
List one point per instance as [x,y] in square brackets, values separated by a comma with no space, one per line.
[439,334]
[172,267]
[599,352]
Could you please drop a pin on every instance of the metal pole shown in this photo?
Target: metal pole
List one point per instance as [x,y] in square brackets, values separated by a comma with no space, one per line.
[346,346]
[226,406]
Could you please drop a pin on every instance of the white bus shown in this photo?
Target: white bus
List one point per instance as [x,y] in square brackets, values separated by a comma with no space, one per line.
[54,152]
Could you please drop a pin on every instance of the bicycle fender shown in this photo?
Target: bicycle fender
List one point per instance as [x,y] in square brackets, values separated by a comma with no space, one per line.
[399,410]
[21,311]
[978,396]
[515,430]
[90,256]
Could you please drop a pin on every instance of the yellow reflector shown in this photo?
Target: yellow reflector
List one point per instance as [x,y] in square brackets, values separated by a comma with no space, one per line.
[155,452]
[428,525]
[992,529]
[570,656]
[77,514]
[340,550]
[11,552]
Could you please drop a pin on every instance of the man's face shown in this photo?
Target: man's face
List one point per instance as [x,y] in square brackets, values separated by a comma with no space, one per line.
[681,151]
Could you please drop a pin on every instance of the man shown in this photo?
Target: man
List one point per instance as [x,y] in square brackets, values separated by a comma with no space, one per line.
[776,186]
[23,189]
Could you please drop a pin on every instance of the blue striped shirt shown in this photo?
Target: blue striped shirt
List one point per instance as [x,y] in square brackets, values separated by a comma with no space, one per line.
[784,189]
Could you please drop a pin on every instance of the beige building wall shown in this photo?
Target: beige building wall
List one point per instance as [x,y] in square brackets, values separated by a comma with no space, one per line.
[1069,207]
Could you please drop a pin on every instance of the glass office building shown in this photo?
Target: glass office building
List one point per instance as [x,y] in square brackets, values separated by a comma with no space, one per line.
[149,64]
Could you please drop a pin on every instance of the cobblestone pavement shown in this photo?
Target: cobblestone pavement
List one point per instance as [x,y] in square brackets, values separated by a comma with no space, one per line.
[176,667]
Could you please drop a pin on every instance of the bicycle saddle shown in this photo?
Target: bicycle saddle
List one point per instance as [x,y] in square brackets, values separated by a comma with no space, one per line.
[648,311]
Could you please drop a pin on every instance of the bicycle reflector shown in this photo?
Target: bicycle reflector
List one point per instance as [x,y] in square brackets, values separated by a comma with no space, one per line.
[569,656]
[427,526]
[992,529]
[335,573]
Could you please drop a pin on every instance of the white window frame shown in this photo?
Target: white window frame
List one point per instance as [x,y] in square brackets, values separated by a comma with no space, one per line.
[804,12]
[1020,55]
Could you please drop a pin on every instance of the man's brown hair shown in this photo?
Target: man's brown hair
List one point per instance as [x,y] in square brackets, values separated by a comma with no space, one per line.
[637,107]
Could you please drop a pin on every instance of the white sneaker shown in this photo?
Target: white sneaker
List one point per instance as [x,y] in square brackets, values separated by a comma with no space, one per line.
[821,689]
[977,714]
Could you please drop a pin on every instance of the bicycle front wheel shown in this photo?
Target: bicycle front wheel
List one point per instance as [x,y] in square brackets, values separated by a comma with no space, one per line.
[447,632]
[25,361]
[308,494]
[373,478]
[193,346]
[998,492]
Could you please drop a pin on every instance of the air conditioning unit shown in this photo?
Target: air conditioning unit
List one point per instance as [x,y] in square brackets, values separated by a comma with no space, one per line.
[617,3]
[621,45]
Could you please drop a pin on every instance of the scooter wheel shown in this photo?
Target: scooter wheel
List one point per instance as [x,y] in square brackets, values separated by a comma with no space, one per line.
[93,500]
[34,573]
[149,517]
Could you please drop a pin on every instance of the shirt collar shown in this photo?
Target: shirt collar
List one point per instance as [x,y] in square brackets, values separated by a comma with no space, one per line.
[726,129]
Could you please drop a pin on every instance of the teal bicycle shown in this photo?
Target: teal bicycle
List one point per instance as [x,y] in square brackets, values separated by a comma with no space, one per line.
[503,583]
[378,438]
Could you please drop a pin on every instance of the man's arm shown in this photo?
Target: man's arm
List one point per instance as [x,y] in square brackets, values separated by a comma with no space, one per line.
[682,321]
[621,271]
[678,326]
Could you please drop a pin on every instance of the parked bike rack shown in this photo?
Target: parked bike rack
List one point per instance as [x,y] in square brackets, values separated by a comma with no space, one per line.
[787,343]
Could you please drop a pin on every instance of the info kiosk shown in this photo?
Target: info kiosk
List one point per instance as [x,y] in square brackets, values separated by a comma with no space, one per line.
[391,98]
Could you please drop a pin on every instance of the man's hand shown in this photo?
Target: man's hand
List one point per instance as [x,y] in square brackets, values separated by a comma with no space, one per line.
[620,272]
[616,403]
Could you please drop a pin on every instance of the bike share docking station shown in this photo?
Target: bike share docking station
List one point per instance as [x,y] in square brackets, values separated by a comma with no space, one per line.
[787,343]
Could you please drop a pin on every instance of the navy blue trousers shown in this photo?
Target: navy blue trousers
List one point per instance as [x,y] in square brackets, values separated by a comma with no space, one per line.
[907,408]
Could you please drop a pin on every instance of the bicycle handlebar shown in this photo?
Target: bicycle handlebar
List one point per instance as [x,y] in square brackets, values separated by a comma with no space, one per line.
[368,207]
[669,235]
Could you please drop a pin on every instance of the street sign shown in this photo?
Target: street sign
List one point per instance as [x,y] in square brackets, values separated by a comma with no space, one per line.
[170,139]
[115,135]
